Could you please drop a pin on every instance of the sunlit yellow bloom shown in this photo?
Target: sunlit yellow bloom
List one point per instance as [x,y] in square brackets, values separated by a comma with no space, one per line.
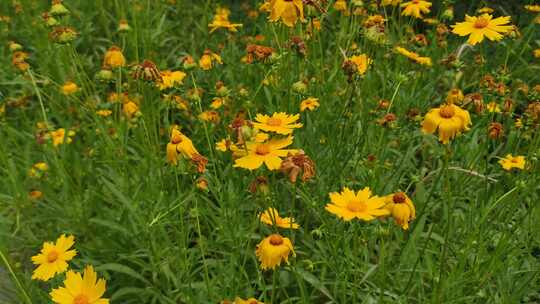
[533,8]
[59,136]
[69,88]
[217,102]
[114,58]
[509,162]
[485,10]
[454,96]
[361,205]
[207,60]
[273,250]
[85,289]
[310,103]
[478,27]
[415,8]
[179,144]
[269,153]
[271,217]
[221,20]
[210,116]
[170,79]
[537,53]
[53,258]
[223,145]
[450,120]
[401,208]
[104,113]
[414,56]
[340,5]
[248,301]
[289,11]
[362,62]
[130,108]
[261,137]
[281,123]
[38,169]
[493,107]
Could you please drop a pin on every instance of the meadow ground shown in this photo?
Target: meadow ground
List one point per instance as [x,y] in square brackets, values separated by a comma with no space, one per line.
[285,151]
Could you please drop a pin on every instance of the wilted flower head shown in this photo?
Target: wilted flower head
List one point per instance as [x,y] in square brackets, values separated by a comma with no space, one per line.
[273,250]
[147,71]
[297,163]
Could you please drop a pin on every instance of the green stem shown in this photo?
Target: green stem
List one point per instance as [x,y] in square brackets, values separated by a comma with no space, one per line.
[21,289]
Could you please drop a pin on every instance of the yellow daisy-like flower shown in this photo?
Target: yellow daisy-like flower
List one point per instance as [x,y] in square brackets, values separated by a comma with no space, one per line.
[85,289]
[449,119]
[509,162]
[483,26]
[415,8]
[361,205]
[114,58]
[340,5]
[207,60]
[179,144]
[271,217]
[269,153]
[221,20]
[310,103]
[493,107]
[59,136]
[170,78]
[362,63]
[289,11]
[414,56]
[536,53]
[69,88]
[401,208]
[281,123]
[533,8]
[53,258]
[454,96]
[248,301]
[390,2]
[130,108]
[273,250]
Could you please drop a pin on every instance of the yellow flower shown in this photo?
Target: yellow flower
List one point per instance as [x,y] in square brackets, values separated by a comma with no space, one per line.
[454,96]
[207,60]
[221,20]
[271,217]
[340,5]
[35,194]
[59,136]
[114,58]
[273,250]
[222,145]
[493,107]
[210,116]
[53,258]
[217,102]
[38,169]
[69,88]
[85,289]
[269,153]
[485,10]
[104,113]
[415,8]
[170,78]
[310,103]
[414,56]
[362,62]
[533,8]
[349,205]
[281,123]
[242,301]
[130,108]
[509,162]
[288,10]
[401,208]
[179,144]
[537,53]
[449,119]
[478,27]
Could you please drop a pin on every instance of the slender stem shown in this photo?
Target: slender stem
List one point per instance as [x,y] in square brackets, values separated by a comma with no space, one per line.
[21,289]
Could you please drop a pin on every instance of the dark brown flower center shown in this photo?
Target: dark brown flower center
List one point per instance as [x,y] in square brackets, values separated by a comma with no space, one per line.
[399,198]
[447,112]
[276,240]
